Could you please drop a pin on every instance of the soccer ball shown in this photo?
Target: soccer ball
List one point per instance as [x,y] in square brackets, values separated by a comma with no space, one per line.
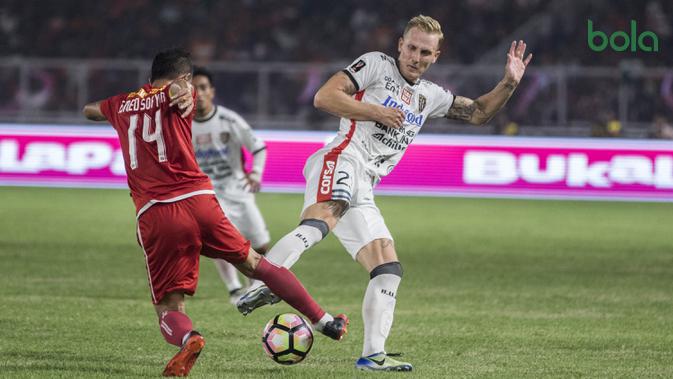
[287,338]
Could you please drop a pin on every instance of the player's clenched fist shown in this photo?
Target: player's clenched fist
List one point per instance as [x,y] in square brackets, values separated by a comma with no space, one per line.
[391,117]
[180,93]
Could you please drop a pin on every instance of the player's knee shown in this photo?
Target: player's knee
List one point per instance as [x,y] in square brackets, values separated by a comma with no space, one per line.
[392,268]
[172,301]
[173,298]
[376,253]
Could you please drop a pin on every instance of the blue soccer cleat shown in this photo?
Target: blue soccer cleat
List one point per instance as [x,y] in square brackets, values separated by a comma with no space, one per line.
[382,362]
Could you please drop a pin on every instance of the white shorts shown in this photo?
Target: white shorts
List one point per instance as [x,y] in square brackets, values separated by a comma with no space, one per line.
[247,218]
[343,177]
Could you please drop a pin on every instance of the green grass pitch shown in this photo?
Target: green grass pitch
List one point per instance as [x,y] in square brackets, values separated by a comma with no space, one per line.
[491,288]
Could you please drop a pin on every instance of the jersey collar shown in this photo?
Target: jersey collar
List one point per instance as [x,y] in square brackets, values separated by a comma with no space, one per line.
[208,117]
[405,79]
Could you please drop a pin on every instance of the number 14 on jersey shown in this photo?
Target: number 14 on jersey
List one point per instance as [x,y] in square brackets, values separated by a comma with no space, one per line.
[148,137]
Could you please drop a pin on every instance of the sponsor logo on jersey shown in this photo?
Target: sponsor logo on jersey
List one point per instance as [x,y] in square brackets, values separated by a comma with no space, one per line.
[142,93]
[204,139]
[357,66]
[421,102]
[395,138]
[224,137]
[406,95]
[392,85]
[210,153]
[326,177]
[409,116]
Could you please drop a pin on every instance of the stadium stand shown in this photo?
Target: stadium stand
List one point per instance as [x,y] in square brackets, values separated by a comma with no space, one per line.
[270,56]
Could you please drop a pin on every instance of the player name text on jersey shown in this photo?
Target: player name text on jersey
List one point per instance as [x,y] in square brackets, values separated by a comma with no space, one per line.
[140,104]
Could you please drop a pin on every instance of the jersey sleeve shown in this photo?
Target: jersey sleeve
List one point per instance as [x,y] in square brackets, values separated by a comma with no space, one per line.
[442,102]
[252,143]
[365,69]
[245,134]
[108,106]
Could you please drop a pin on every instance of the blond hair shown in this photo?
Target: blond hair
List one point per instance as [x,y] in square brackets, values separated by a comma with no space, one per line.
[426,24]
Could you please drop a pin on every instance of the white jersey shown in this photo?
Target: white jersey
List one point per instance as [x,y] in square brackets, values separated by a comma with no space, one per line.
[378,81]
[218,141]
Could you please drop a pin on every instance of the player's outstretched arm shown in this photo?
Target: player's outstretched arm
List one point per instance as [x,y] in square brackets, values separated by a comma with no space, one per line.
[92,112]
[481,110]
[336,97]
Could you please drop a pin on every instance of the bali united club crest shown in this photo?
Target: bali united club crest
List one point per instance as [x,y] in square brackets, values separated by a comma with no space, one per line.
[421,102]
[224,137]
[204,139]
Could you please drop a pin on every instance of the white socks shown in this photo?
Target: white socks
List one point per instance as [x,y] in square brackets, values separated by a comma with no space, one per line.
[228,273]
[288,249]
[378,306]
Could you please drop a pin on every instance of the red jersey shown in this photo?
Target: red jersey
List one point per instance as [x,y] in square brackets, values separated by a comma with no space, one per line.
[157,146]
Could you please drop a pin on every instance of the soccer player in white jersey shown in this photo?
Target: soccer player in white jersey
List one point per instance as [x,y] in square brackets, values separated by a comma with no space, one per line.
[218,135]
[383,103]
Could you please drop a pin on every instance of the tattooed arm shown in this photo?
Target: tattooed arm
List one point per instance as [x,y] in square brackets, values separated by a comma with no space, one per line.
[481,110]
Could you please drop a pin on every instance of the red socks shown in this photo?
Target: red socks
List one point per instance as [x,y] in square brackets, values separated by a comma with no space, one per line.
[174,326]
[283,283]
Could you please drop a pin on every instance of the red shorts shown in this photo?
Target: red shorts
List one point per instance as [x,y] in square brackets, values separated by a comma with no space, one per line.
[174,235]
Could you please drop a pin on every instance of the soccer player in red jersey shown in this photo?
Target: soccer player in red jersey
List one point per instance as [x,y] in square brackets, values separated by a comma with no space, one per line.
[178,216]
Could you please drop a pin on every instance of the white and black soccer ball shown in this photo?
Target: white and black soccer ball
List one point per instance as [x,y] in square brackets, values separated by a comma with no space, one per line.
[287,338]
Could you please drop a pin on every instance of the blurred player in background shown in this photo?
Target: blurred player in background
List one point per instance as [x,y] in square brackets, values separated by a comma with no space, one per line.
[383,103]
[178,216]
[219,135]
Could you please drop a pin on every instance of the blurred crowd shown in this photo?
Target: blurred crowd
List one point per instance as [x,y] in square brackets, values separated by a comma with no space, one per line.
[305,30]
[319,32]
